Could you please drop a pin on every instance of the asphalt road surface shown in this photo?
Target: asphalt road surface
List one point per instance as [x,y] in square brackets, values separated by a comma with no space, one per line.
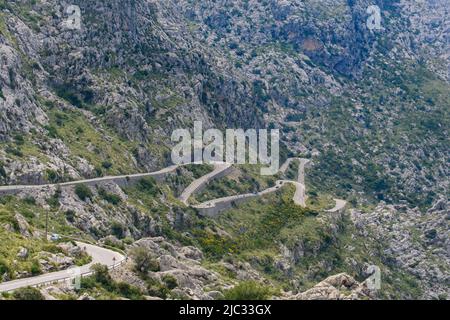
[200,182]
[99,255]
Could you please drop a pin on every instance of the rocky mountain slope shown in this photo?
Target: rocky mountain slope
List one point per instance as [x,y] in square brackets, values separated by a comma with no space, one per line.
[415,241]
[370,107]
[370,104]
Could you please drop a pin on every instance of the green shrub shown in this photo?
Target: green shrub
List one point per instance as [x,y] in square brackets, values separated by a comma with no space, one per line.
[198,170]
[102,279]
[79,131]
[88,283]
[70,215]
[82,260]
[148,185]
[101,275]
[215,246]
[28,214]
[53,201]
[69,93]
[14,151]
[28,294]
[52,132]
[3,5]
[144,261]
[128,291]
[118,230]
[19,139]
[141,75]
[4,268]
[83,192]
[157,289]
[52,176]
[35,268]
[442,296]
[30,200]
[110,197]
[107,165]
[60,118]
[52,248]
[114,244]
[248,290]
[128,240]
[56,196]
[295,117]
[2,170]
[170,281]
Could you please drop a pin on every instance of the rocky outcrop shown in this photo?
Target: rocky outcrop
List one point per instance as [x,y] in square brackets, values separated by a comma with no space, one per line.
[24,227]
[182,263]
[61,69]
[50,262]
[23,253]
[417,242]
[337,287]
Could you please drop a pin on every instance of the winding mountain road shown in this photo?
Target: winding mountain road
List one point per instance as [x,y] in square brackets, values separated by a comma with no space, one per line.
[215,202]
[286,165]
[19,188]
[300,194]
[99,255]
[215,206]
[301,170]
[219,169]
[111,258]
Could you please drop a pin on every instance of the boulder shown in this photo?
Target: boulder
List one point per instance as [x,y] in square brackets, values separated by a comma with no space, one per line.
[191,253]
[23,253]
[23,225]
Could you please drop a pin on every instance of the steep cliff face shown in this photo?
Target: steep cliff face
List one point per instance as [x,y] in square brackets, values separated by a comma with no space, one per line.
[19,109]
[331,33]
[343,91]
[413,241]
[429,22]
[358,98]
[121,73]
[369,106]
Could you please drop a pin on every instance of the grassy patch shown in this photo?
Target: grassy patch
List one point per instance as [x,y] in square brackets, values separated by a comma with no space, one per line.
[108,153]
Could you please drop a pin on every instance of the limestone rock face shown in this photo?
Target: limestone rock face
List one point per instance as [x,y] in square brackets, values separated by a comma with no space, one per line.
[191,253]
[182,263]
[371,108]
[337,287]
[141,72]
[50,262]
[409,237]
[24,227]
[18,107]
